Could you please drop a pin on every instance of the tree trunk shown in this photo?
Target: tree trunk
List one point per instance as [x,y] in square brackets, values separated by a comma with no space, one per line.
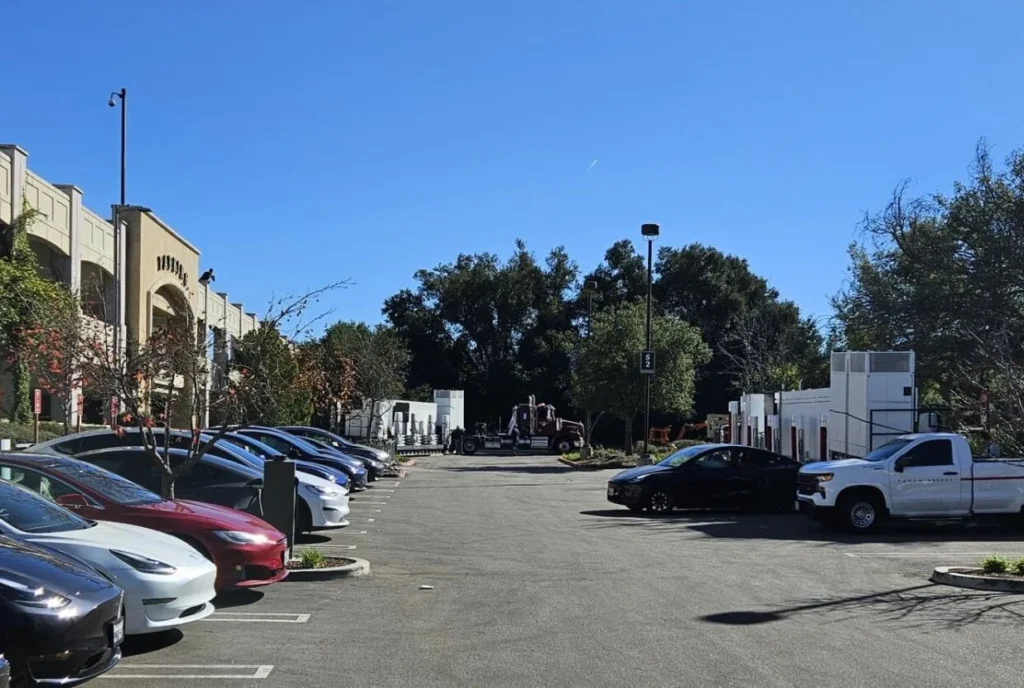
[629,435]
[167,485]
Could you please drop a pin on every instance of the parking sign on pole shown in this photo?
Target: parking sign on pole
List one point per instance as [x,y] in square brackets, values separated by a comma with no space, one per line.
[647,363]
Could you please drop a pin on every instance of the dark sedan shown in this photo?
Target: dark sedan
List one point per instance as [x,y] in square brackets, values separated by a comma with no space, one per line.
[297,448]
[213,480]
[376,460]
[60,622]
[709,476]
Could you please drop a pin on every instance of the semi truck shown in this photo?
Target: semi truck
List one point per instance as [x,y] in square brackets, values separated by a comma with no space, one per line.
[540,431]
[925,476]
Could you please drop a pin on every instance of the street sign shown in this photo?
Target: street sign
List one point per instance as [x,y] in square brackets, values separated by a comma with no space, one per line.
[647,363]
[114,408]
[37,401]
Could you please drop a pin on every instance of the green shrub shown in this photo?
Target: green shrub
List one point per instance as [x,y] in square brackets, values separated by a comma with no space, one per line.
[995,564]
[24,432]
[1018,567]
[311,558]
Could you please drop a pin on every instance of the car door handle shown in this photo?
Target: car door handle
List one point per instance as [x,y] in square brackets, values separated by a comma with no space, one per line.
[950,473]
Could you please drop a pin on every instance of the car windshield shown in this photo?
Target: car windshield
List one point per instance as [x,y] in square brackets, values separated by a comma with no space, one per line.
[253,446]
[110,485]
[887,450]
[683,455]
[26,511]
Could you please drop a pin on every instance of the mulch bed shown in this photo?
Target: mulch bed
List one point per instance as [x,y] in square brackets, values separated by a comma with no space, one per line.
[328,562]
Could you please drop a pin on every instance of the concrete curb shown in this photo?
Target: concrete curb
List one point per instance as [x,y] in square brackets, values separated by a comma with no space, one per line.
[575,466]
[358,567]
[955,576]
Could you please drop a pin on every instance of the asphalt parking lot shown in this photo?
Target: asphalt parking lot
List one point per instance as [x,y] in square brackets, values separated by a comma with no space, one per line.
[539,581]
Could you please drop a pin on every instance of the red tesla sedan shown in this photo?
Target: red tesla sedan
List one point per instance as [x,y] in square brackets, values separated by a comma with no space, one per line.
[247,550]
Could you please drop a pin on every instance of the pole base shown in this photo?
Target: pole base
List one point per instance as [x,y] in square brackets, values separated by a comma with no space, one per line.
[644,460]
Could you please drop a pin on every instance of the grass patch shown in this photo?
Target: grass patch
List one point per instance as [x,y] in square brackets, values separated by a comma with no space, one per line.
[603,457]
[312,558]
[995,564]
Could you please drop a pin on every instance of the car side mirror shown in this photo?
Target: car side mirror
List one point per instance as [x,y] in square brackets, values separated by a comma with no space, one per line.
[900,464]
[73,501]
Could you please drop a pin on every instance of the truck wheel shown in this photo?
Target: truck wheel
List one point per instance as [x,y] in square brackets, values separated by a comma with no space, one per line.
[861,512]
[469,446]
[563,446]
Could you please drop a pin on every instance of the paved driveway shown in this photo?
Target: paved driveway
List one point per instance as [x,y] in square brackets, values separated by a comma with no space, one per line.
[538,581]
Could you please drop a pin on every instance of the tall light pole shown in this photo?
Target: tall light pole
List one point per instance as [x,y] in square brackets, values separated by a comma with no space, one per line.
[650,232]
[591,287]
[121,95]
[205,280]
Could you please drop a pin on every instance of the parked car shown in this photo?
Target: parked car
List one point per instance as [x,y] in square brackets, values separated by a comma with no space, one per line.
[375,460]
[297,448]
[268,453]
[226,447]
[215,480]
[60,621]
[166,582]
[709,476]
[248,551]
[921,476]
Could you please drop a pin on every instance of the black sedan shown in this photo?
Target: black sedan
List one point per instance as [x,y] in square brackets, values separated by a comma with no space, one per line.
[709,476]
[213,480]
[60,622]
[297,448]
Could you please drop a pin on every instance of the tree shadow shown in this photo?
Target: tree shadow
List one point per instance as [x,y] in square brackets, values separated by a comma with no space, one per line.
[928,606]
[150,642]
[237,598]
[536,470]
[744,525]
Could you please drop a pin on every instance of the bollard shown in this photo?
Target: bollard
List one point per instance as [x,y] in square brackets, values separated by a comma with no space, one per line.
[5,444]
[279,486]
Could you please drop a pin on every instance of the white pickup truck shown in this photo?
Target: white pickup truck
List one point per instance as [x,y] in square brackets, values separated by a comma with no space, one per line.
[920,476]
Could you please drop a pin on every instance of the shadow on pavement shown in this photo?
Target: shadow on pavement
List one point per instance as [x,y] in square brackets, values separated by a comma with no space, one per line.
[920,606]
[311,539]
[745,525]
[513,468]
[150,642]
[237,598]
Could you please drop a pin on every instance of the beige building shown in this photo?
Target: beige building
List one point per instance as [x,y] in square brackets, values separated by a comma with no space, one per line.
[75,245]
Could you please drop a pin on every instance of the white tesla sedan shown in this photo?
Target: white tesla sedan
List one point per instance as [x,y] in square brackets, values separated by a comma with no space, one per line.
[166,582]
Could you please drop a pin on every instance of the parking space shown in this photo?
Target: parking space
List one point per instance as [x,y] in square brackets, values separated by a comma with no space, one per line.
[516,572]
[263,636]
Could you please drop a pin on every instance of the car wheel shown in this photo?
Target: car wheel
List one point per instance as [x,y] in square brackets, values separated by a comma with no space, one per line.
[469,446]
[303,519]
[861,512]
[563,446]
[660,501]
[196,545]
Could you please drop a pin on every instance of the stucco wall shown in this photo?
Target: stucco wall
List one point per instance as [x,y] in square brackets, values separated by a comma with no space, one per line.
[54,206]
[5,188]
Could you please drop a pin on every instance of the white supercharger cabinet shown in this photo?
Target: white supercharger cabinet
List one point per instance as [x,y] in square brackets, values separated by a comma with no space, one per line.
[873,399]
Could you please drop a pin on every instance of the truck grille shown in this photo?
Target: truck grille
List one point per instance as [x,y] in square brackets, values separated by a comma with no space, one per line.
[806,484]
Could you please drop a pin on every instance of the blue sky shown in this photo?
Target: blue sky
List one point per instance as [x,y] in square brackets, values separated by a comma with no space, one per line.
[301,142]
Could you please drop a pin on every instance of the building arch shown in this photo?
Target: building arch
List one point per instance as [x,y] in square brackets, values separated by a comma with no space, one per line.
[51,260]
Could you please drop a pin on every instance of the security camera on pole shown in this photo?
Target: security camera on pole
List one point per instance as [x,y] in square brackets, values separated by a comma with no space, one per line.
[650,232]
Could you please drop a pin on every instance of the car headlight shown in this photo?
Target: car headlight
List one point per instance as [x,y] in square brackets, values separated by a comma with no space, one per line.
[240,537]
[143,564]
[823,477]
[323,491]
[27,596]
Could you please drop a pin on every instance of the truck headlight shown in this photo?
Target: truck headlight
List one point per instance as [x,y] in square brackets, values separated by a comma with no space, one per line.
[823,477]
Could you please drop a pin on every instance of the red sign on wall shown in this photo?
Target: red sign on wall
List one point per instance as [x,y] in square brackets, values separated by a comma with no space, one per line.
[37,401]
[80,404]
[114,408]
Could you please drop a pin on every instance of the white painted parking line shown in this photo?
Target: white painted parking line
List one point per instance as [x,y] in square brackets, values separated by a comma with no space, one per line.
[258,617]
[168,671]
[363,532]
[910,555]
[360,503]
[338,546]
